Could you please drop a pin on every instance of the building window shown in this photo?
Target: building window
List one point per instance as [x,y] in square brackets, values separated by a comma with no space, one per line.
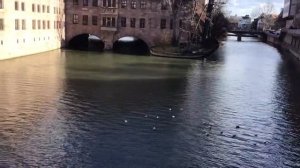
[109,22]
[85,3]
[94,20]
[39,24]
[33,24]
[38,8]
[171,24]
[133,4]
[143,4]
[132,22]
[95,2]
[33,8]
[1,24]
[43,8]
[109,3]
[75,2]
[1,4]
[16,5]
[123,21]
[85,19]
[75,19]
[23,24]
[180,24]
[142,23]
[17,24]
[151,23]
[44,24]
[164,6]
[123,3]
[48,9]
[48,24]
[163,23]
[23,6]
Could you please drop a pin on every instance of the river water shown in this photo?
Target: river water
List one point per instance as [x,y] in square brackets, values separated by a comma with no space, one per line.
[240,108]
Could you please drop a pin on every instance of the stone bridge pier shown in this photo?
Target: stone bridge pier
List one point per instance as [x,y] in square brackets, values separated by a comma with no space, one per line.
[239,37]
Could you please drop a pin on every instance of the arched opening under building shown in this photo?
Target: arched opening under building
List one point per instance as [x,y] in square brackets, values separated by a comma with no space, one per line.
[131,45]
[86,42]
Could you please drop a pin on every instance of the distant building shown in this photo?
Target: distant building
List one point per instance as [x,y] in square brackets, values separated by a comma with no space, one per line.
[260,24]
[234,22]
[245,23]
[291,12]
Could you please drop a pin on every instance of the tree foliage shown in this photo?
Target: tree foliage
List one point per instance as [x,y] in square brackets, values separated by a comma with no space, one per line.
[220,25]
[280,22]
[266,9]
[220,22]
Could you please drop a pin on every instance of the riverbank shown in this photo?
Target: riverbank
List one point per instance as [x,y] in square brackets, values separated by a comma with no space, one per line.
[193,52]
[287,42]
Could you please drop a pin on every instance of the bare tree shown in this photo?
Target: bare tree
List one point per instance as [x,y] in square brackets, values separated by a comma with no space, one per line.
[175,6]
[266,9]
[256,12]
[265,13]
[183,15]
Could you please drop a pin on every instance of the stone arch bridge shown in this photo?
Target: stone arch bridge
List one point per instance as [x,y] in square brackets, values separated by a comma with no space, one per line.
[110,37]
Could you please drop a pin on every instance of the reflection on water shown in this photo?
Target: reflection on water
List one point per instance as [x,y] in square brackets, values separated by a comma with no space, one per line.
[240,108]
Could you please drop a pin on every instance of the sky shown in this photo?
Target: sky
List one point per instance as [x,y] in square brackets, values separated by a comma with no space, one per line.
[245,7]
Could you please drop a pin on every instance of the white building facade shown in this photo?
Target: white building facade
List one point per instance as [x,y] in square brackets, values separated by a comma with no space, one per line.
[30,26]
[245,23]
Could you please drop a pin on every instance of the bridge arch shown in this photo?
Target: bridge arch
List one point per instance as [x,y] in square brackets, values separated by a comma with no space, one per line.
[86,42]
[129,44]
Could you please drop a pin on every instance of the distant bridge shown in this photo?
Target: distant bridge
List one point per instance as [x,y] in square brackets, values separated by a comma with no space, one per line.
[245,33]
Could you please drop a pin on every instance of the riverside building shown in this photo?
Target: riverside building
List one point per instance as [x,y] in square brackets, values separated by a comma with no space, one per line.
[30,26]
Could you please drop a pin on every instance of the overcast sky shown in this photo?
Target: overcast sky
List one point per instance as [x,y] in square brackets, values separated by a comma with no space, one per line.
[244,7]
